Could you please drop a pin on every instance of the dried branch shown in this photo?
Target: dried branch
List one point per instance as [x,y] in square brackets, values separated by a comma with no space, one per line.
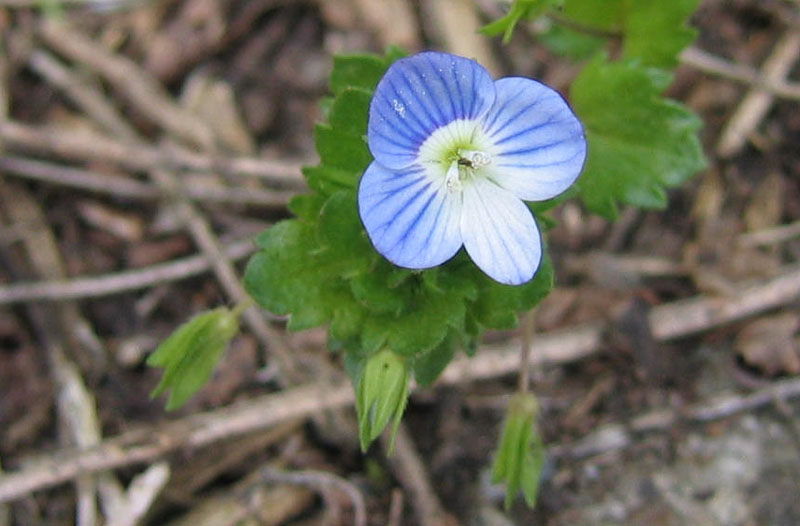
[714,65]
[757,102]
[85,146]
[322,482]
[92,181]
[770,236]
[116,283]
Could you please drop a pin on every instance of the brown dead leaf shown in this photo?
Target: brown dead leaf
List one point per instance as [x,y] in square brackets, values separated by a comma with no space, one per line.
[770,344]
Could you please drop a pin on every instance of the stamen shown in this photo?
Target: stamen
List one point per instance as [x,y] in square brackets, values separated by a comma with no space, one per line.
[452,179]
[477,158]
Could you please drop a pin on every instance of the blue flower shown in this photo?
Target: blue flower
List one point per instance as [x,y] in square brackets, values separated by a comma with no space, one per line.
[456,153]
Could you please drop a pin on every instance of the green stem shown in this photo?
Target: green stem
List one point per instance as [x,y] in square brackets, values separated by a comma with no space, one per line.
[525,351]
[243,306]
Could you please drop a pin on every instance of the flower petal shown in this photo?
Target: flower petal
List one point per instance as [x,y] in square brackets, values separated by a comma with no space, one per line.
[419,94]
[539,144]
[410,220]
[499,233]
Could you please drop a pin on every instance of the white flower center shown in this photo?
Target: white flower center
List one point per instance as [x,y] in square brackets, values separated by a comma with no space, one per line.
[455,154]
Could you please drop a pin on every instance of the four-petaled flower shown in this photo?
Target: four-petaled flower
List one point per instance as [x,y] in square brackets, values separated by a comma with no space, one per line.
[456,153]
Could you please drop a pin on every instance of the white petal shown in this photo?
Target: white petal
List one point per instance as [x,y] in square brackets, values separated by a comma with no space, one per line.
[539,144]
[411,220]
[499,233]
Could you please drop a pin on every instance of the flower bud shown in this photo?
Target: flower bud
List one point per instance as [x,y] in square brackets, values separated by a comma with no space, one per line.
[520,457]
[382,395]
[190,354]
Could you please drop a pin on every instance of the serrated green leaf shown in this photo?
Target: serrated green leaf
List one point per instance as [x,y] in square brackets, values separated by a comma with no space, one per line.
[607,15]
[342,241]
[348,317]
[428,366]
[653,31]
[349,113]
[190,354]
[377,291]
[639,142]
[327,180]
[285,278]
[342,150]
[357,71]
[419,328]
[307,206]
[656,30]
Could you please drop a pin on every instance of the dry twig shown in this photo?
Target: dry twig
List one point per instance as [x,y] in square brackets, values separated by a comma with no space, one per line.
[757,102]
[115,283]
[84,146]
[322,482]
[770,236]
[124,187]
[714,65]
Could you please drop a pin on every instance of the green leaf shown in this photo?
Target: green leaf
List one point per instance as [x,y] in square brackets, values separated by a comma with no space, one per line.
[656,30]
[377,291]
[498,306]
[350,110]
[307,206]
[419,328]
[327,180]
[189,355]
[342,240]
[653,31]
[606,15]
[528,9]
[361,71]
[430,365]
[639,142]
[571,43]
[342,150]
[285,278]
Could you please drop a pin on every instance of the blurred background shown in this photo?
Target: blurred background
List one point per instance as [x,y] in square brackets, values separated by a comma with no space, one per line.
[143,144]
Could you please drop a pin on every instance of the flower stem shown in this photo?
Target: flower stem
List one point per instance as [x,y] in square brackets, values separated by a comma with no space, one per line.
[525,351]
[243,306]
